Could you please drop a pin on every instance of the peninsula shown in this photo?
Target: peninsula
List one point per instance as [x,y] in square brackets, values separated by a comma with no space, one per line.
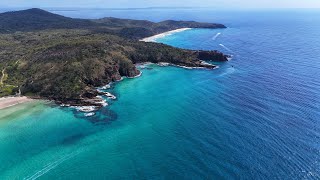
[49,56]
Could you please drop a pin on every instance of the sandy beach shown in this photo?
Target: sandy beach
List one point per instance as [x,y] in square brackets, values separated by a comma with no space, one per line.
[168,33]
[12,101]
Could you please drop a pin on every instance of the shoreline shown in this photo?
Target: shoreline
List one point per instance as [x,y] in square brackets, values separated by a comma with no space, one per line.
[6,102]
[161,35]
[165,64]
[136,76]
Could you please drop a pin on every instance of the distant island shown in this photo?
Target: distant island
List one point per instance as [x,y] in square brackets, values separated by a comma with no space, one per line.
[49,56]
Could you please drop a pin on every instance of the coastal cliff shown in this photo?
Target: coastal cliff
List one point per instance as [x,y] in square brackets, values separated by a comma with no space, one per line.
[211,55]
[65,59]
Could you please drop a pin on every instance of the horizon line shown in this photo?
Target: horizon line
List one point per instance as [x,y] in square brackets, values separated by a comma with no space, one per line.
[156,7]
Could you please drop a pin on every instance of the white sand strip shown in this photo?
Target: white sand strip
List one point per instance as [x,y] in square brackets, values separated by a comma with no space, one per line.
[168,33]
[12,101]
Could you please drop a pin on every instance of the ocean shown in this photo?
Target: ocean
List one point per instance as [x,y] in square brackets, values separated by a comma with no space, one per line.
[255,117]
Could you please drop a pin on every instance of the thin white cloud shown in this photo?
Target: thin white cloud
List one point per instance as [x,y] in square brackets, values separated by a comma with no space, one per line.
[166,3]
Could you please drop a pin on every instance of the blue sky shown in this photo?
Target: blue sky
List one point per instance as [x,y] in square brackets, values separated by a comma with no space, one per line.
[163,3]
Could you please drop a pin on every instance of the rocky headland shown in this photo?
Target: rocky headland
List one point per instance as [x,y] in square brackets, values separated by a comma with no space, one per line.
[48,56]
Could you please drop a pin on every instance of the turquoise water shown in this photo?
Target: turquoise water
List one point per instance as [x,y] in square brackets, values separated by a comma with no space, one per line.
[256,117]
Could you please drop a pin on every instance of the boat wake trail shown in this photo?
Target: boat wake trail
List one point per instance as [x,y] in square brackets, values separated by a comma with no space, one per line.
[216,36]
[51,166]
[228,71]
[225,48]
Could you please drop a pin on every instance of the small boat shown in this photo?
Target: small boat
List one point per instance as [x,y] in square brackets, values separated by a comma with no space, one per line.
[89,114]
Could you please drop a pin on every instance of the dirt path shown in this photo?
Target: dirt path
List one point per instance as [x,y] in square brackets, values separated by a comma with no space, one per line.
[2,77]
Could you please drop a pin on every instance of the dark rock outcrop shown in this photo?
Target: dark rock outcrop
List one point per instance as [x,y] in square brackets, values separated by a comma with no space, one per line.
[211,55]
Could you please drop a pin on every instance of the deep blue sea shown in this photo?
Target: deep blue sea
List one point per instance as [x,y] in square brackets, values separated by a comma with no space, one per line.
[255,117]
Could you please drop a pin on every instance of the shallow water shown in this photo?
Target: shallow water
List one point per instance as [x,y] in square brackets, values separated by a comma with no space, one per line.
[256,117]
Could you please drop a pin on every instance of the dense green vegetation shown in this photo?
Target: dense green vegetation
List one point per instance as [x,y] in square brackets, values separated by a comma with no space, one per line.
[37,19]
[55,57]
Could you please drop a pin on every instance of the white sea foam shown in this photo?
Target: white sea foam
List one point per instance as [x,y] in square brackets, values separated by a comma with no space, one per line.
[109,95]
[108,86]
[143,65]
[136,75]
[65,105]
[168,33]
[205,63]
[120,79]
[187,67]
[102,101]
[163,64]
[86,109]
